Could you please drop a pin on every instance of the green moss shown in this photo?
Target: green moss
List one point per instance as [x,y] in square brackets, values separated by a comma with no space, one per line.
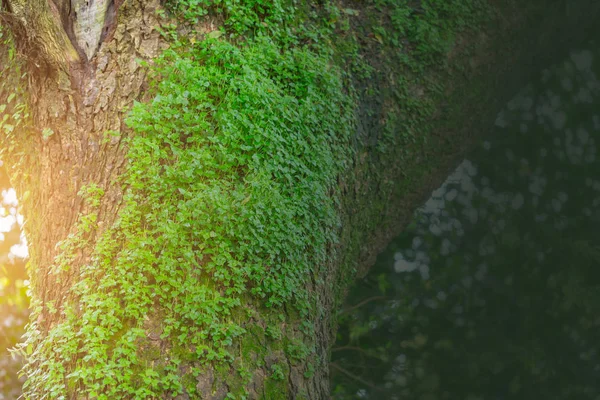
[297,350]
[253,346]
[310,371]
[275,389]
[189,383]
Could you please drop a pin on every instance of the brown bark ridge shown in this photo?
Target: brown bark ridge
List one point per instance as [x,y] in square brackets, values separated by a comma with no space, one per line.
[76,103]
[81,87]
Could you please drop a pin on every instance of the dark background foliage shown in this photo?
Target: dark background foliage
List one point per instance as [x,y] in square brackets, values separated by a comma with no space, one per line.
[494,290]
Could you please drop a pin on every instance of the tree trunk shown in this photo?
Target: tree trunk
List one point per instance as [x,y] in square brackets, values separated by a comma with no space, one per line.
[84,75]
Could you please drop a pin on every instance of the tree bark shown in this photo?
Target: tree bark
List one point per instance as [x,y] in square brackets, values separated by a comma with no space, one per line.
[75,102]
[84,76]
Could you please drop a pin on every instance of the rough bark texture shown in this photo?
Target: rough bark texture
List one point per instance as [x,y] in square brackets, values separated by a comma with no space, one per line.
[85,77]
[79,106]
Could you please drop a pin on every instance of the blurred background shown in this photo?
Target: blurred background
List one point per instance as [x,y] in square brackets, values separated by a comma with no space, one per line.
[493,292]
[13,289]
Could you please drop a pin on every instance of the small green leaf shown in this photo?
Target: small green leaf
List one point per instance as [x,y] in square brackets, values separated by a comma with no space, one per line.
[46,134]
[215,34]
[350,11]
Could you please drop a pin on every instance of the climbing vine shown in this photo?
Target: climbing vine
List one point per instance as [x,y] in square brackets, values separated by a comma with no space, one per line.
[230,175]
[231,200]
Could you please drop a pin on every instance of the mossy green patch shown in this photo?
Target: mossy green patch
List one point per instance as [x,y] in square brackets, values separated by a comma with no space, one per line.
[275,389]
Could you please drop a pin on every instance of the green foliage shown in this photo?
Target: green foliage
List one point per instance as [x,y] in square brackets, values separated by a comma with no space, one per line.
[277,372]
[13,108]
[310,371]
[47,134]
[427,30]
[274,332]
[239,16]
[297,350]
[410,42]
[253,162]
[403,77]
[92,194]
[289,23]
[230,176]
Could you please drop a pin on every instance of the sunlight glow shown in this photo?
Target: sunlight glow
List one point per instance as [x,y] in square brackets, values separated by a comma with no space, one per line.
[20,250]
[10,196]
[6,223]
